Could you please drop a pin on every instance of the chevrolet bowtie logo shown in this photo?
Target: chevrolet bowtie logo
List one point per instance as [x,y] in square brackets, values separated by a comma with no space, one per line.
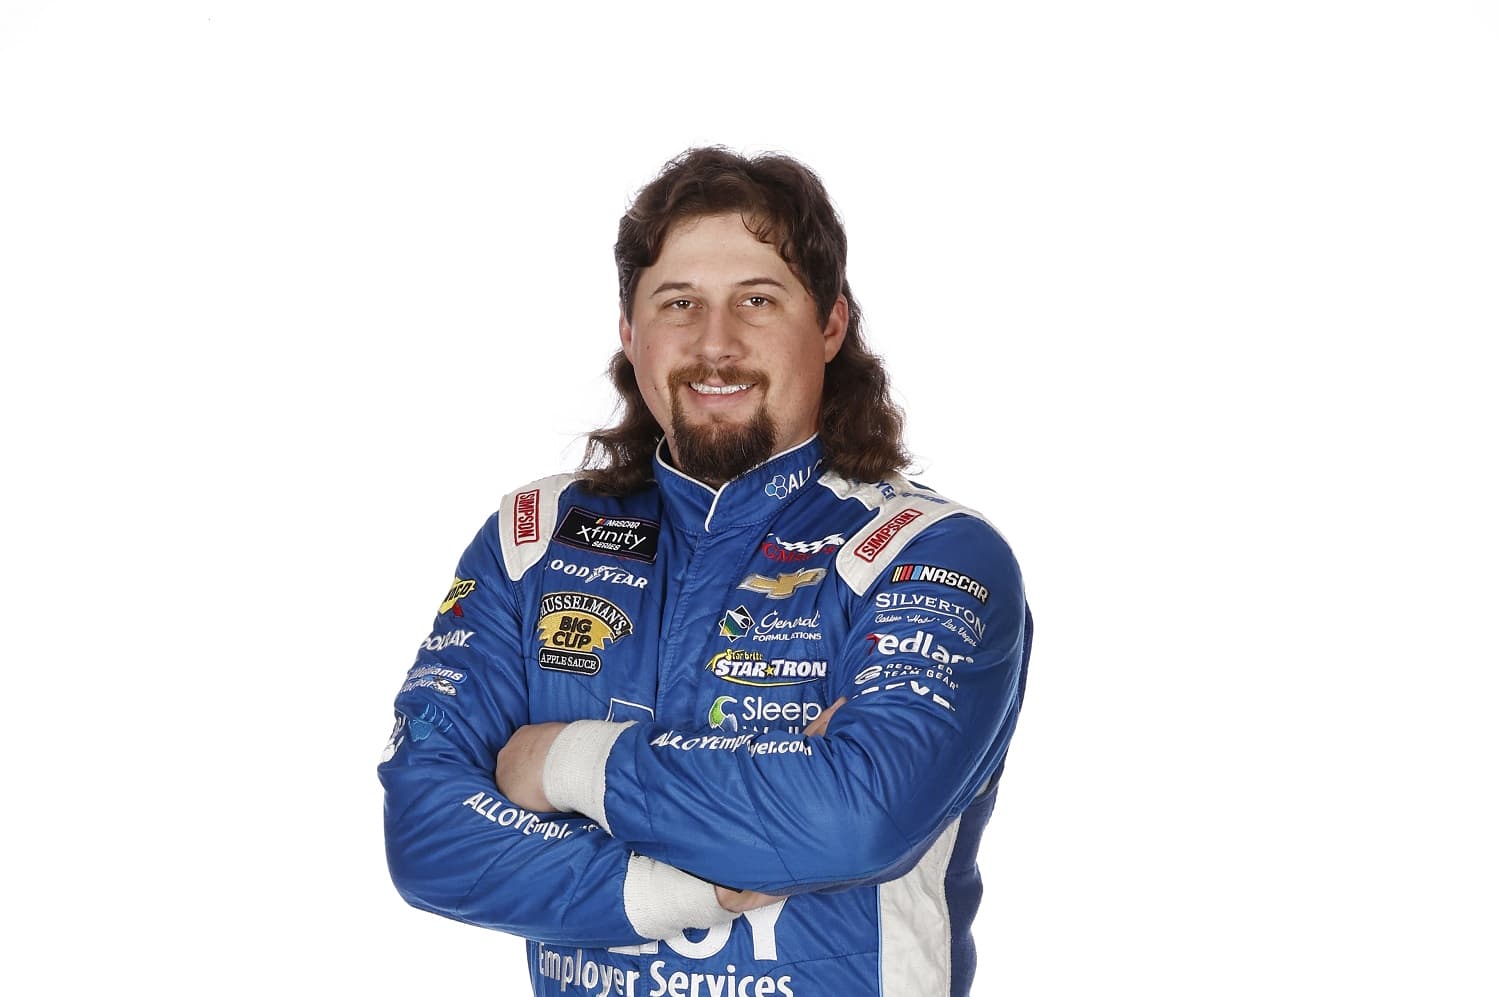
[783,585]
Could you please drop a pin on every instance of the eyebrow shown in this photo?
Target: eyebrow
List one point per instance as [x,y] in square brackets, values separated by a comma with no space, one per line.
[681,285]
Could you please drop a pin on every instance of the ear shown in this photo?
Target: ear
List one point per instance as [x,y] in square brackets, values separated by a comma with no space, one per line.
[627,337]
[833,331]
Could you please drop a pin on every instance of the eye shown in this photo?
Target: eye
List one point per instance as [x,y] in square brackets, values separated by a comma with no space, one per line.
[757,301]
[679,304]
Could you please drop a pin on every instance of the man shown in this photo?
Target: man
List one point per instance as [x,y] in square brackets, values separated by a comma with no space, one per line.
[723,714]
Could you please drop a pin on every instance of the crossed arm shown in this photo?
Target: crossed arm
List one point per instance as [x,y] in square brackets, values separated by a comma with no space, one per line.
[857,804]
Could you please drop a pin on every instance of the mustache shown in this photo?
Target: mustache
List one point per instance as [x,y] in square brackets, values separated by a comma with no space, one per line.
[708,372]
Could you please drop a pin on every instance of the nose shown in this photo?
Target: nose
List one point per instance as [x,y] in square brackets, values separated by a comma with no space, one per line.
[720,338]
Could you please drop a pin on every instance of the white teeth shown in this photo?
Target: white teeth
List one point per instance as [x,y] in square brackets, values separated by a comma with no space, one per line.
[728,389]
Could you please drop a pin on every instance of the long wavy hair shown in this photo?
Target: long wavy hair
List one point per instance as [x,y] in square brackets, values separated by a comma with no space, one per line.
[786,206]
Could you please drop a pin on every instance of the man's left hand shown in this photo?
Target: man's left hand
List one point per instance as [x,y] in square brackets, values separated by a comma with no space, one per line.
[518,766]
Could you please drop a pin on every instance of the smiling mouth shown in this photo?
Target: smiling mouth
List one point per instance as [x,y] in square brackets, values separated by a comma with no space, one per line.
[717,389]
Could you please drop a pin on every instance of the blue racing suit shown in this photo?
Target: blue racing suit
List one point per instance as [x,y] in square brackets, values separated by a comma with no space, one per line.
[689,636]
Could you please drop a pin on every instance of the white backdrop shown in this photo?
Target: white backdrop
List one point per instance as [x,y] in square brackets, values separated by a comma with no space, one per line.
[1196,301]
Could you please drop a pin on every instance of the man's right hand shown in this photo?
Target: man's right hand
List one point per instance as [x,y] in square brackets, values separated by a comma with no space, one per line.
[739,901]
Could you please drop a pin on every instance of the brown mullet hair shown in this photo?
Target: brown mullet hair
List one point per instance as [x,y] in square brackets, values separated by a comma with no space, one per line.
[785,205]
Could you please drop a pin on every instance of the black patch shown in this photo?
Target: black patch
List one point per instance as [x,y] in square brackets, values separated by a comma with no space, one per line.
[622,536]
[572,662]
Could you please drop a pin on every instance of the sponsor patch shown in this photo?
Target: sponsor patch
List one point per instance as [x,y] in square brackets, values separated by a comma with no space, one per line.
[754,668]
[942,576]
[436,671]
[774,626]
[782,586]
[761,713]
[438,684]
[526,517]
[919,643]
[783,485]
[901,670]
[777,549]
[453,638]
[461,588]
[959,619]
[622,536]
[572,626]
[721,719]
[885,533]
[921,689]
[499,811]
[736,623]
[432,718]
[607,573]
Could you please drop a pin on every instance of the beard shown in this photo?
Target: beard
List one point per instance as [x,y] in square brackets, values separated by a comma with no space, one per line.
[715,452]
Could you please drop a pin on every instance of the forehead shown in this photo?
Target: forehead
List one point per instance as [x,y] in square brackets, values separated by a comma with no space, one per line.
[714,248]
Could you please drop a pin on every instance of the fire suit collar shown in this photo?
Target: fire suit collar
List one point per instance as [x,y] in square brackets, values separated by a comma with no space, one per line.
[754,497]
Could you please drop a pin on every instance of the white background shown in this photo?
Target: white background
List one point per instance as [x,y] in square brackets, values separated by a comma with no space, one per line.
[1197,301]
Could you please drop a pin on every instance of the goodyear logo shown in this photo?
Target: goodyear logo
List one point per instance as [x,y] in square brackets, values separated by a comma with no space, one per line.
[461,588]
[572,626]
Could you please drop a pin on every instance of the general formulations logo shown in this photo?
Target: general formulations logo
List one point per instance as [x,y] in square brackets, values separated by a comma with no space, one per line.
[736,623]
[572,626]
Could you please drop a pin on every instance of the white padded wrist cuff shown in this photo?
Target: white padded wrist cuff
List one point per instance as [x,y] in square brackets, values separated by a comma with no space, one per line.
[573,774]
[661,900]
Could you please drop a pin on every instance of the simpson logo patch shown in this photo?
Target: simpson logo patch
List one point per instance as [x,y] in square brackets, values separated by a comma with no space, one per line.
[622,536]
[525,518]
[574,625]
[876,541]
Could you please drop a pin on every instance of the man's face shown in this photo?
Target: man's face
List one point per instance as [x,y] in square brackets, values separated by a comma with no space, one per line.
[727,348]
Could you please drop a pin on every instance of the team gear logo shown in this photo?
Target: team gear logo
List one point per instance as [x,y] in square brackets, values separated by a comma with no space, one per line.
[572,626]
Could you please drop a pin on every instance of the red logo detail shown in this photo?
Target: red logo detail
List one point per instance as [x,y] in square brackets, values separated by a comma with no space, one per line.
[877,540]
[525,523]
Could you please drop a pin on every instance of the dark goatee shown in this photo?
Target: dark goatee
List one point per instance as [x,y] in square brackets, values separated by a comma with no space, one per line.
[718,451]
